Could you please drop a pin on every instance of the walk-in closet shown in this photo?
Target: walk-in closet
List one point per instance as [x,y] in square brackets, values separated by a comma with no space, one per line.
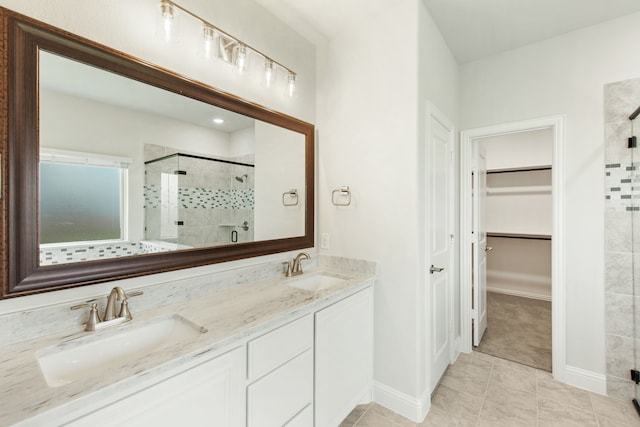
[518,211]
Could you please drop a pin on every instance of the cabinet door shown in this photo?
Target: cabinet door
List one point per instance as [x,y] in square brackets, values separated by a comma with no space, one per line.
[210,394]
[344,357]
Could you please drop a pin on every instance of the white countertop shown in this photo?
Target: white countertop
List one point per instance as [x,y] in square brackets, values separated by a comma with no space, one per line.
[232,316]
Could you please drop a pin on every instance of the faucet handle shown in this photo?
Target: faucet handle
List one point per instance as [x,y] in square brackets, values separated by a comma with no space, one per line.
[94,318]
[124,310]
[287,268]
[134,294]
[124,306]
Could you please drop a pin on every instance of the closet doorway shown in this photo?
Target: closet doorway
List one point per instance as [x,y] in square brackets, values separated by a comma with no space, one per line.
[518,220]
[512,221]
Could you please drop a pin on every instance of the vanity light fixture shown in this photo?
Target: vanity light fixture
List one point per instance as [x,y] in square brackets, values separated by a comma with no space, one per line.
[268,72]
[241,59]
[228,48]
[208,33]
[291,85]
[168,16]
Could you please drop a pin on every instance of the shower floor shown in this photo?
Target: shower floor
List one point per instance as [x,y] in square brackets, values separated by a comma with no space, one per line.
[518,329]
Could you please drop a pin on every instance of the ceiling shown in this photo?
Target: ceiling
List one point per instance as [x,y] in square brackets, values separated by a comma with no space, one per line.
[472,28]
[83,81]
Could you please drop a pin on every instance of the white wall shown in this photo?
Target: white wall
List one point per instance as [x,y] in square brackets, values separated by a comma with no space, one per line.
[131,26]
[565,75]
[373,83]
[282,151]
[519,150]
[367,130]
[242,142]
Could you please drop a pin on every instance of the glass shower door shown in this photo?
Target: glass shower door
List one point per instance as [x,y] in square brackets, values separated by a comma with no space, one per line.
[634,206]
[161,199]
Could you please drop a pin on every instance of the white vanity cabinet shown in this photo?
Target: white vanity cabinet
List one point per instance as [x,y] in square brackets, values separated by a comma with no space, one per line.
[311,371]
[280,375]
[210,394]
[343,357]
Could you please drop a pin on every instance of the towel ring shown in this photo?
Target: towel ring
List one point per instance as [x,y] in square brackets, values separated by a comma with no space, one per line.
[293,194]
[341,192]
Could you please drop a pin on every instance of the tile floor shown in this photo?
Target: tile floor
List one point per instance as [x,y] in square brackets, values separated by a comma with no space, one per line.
[482,390]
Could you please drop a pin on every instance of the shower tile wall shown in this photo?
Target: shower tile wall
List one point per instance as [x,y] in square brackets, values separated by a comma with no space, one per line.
[213,203]
[79,253]
[622,188]
[210,202]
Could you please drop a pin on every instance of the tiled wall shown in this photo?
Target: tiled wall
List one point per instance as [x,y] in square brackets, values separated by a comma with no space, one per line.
[211,203]
[63,255]
[621,222]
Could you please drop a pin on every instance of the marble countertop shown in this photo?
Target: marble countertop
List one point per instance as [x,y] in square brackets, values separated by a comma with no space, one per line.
[232,316]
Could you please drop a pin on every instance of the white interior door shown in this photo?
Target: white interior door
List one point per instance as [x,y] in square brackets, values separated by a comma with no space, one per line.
[440,163]
[479,308]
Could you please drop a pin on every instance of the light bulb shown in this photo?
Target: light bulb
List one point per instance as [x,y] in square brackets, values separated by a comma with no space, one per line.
[292,83]
[241,58]
[167,19]
[208,34]
[268,72]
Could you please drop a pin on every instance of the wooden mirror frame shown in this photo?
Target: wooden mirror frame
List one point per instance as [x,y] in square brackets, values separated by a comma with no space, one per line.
[20,39]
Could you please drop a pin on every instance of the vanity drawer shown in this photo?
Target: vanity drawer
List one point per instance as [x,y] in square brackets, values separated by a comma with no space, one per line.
[279,396]
[269,351]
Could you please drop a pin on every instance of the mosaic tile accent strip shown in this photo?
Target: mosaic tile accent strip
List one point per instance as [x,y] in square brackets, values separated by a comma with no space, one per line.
[204,198]
[51,256]
[226,199]
[622,187]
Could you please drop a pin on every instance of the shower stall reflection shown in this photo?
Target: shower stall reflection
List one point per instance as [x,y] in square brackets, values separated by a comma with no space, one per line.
[194,201]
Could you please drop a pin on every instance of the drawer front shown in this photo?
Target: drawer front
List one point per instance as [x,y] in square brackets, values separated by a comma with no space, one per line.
[269,351]
[276,398]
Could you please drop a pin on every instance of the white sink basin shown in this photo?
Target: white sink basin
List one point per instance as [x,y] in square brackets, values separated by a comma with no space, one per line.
[315,282]
[90,355]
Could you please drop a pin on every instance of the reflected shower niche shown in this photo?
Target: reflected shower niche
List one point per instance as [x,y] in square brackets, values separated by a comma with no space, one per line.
[194,200]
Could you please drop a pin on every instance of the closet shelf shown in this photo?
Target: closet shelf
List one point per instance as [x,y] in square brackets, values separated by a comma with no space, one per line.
[540,189]
[520,236]
[521,169]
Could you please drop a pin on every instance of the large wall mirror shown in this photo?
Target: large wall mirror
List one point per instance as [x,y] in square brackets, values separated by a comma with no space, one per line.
[114,168]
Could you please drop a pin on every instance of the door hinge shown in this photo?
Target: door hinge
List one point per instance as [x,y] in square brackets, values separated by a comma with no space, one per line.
[635,376]
[633,143]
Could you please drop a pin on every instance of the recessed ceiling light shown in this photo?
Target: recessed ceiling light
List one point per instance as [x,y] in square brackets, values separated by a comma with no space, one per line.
[218,121]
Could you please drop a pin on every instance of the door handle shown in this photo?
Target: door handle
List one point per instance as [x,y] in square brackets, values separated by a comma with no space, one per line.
[435,269]
[488,248]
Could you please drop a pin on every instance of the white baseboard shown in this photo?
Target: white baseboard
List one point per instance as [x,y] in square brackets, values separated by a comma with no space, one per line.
[581,378]
[409,407]
[456,348]
[519,293]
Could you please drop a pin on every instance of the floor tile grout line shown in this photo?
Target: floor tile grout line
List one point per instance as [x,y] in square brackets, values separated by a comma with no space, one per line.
[593,409]
[355,424]
[537,399]
[486,390]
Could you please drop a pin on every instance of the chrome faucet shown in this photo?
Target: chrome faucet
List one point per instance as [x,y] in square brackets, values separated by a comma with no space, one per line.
[116,293]
[109,318]
[295,269]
